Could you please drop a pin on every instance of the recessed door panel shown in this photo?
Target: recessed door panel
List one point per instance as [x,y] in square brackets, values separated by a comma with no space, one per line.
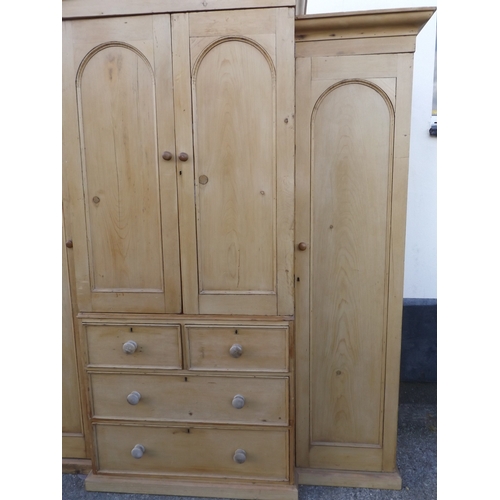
[235,142]
[123,198]
[351,152]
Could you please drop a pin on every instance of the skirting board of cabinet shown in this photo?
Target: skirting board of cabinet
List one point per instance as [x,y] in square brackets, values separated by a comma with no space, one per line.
[349,479]
[151,486]
[76,466]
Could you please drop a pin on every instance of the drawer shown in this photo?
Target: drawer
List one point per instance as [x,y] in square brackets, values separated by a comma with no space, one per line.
[194,451]
[237,348]
[192,398]
[157,346]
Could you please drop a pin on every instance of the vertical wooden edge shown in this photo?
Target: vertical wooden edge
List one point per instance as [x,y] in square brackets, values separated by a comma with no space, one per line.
[85,388]
[285,148]
[302,223]
[397,249]
[292,419]
[184,143]
[161,37]
[72,190]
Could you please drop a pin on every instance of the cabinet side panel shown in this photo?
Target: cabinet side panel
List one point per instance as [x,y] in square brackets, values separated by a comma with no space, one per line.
[351,168]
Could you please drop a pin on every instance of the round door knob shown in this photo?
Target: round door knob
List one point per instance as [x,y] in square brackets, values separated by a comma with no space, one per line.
[130,347]
[302,246]
[134,397]
[167,155]
[240,456]
[69,244]
[238,401]
[138,450]
[236,350]
[183,157]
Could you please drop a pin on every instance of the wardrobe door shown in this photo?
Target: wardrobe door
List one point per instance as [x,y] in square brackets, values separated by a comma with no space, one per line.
[241,68]
[120,163]
[345,167]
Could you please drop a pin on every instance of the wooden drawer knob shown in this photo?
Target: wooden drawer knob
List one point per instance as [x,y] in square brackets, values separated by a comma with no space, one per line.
[240,456]
[236,350]
[138,450]
[130,347]
[134,397]
[167,155]
[238,401]
[183,157]
[302,246]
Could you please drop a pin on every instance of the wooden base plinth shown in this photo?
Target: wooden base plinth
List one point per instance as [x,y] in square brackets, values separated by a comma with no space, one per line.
[150,486]
[349,479]
[76,466]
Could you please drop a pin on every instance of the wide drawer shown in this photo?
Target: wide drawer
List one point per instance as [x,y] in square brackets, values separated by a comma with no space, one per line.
[192,398]
[157,346]
[193,451]
[237,348]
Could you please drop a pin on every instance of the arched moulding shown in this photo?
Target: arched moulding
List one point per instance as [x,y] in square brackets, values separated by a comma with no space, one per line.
[234,127]
[104,46]
[116,102]
[354,81]
[225,39]
[351,170]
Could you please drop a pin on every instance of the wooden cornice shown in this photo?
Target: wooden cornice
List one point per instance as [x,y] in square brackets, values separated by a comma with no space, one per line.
[76,9]
[362,24]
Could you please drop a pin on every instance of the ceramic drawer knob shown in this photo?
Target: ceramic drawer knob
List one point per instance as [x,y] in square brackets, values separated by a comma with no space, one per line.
[138,450]
[240,456]
[238,401]
[236,350]
[134,397]
[130,347]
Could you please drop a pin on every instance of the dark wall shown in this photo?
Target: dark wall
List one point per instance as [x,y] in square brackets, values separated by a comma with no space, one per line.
[419,341]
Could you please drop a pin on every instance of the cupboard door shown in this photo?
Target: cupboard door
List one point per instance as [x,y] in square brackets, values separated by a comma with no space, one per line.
[345,167]
[241,106]
[118,107]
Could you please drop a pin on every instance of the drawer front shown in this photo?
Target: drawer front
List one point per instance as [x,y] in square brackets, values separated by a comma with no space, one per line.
[157,346]
[178,451]
[262,349]
[192,398]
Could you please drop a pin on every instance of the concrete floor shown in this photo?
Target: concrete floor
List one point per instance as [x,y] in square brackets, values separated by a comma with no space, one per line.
[417,459]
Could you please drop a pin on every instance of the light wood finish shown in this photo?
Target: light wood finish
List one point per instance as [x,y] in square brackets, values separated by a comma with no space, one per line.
[73,438]
[157,346]
[263,349]
[353,116]
[129,250]
[362,24]
[95,8]
[212,489]
[243,133]
[193,451]
[192,398]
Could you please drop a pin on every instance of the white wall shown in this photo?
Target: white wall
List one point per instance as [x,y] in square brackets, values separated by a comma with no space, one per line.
[421,246]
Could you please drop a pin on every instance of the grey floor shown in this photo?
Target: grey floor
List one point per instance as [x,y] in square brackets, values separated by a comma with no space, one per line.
[417,459]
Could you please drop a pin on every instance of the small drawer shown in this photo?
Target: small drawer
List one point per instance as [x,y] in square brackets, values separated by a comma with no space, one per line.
[135,345]
[245,349]
[237,400]
[193,451]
